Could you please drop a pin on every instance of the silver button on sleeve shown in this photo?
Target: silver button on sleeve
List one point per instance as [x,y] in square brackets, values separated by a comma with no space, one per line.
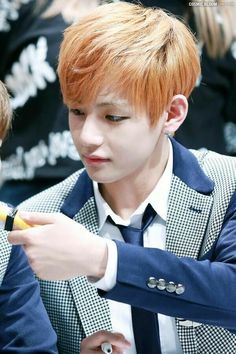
[171,287]
[180,289]
[161,284]
[152,282]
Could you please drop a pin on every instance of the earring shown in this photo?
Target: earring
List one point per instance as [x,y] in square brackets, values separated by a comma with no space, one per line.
[169,133]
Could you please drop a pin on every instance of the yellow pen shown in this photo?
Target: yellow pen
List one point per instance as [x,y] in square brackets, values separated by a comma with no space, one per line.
[18,222]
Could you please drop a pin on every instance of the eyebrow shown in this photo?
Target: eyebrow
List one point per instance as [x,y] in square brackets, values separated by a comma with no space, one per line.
[106,104]
[103,104]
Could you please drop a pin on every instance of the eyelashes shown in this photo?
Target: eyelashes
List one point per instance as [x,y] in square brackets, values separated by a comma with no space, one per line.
[114,118]
[77,112]
[110,117]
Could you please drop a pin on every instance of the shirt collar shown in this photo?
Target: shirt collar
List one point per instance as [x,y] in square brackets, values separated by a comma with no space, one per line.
[158,199]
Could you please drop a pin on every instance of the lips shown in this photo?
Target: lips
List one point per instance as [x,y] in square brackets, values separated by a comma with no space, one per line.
[92,159]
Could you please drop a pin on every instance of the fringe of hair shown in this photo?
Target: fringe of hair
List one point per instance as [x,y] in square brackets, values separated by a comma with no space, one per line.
[141,53]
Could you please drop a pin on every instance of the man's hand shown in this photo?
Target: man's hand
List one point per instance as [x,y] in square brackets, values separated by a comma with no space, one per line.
[59,248]
[92,344]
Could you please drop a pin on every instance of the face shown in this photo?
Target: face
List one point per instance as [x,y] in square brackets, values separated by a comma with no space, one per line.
[114,143]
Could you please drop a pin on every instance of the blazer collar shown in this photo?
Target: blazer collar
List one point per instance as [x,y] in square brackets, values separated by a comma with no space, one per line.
[185,166]
[79,195]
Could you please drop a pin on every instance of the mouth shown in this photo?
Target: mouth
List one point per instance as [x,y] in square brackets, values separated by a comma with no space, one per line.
[94,160]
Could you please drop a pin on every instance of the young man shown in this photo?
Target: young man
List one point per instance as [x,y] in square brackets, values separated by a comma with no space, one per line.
[125,73]
[24,324]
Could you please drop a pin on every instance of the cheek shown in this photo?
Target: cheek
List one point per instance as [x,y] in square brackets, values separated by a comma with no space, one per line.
[145,141]
[75,130]
[71,124]
[133,151]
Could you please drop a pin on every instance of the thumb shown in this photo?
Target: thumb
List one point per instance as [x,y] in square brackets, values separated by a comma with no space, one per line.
[36,218]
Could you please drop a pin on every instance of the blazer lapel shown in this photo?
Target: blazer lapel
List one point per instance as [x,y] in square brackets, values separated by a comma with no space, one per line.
[189,204]
[189,207]
[93,311]
[187,219]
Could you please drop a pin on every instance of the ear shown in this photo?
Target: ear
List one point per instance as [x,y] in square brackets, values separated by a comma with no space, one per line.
[176,114]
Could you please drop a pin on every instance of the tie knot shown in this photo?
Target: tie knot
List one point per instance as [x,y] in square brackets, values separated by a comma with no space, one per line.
[132,234]
[148,216]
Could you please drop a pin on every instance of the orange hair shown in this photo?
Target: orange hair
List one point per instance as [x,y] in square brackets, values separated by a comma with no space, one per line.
[144,54]
[5,111]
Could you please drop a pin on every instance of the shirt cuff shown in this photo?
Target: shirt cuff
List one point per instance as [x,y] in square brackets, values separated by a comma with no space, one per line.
[108,281]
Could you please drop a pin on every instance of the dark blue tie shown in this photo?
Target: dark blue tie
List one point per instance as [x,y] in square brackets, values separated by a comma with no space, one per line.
[145,323]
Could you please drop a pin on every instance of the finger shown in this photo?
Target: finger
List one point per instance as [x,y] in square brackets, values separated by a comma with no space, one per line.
[116,350]
[93,341]
[36,218]
[20,224]
[96,339]
[118,340]
[99,351]
[18,238]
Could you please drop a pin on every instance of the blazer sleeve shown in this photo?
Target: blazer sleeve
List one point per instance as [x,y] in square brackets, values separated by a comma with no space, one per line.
[24,323]
[210,282]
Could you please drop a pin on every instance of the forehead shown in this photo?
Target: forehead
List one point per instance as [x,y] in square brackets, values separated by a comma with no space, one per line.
[106,98]
[111,98]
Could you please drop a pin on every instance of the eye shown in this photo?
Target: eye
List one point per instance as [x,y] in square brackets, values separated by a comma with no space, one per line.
[77,112]
[114,118]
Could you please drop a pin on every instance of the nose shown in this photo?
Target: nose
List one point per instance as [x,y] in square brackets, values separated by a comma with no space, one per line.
[91,134]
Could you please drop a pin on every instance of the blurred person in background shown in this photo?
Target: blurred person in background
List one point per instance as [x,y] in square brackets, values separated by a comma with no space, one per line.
[39,151]
[211,120]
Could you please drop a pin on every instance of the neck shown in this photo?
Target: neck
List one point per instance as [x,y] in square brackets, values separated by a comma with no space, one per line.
[124,196]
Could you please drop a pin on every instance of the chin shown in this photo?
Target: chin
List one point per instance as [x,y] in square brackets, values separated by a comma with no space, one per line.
[97,177]
[101,178]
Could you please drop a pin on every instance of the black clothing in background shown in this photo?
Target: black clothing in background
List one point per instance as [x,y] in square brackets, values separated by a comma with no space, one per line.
[212,112]
[39,151]
[211,120]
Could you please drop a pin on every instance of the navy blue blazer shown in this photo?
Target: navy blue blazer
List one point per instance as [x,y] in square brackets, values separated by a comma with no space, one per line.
[24,323]
[209,280]
[196,205]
